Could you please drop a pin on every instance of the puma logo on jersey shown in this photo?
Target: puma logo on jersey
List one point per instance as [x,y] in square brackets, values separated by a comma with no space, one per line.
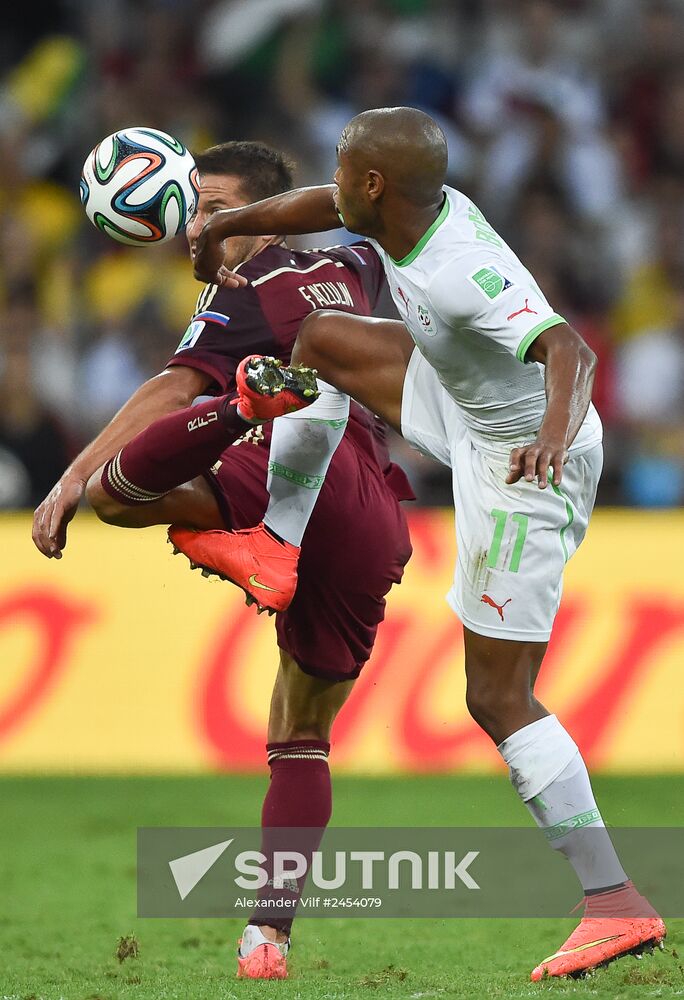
[525,309]
[486,599]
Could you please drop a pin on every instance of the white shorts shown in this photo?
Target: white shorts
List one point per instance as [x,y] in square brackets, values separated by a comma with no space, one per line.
[513,541]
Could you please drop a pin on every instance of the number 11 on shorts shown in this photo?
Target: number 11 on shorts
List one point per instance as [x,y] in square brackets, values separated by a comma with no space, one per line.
[500,518]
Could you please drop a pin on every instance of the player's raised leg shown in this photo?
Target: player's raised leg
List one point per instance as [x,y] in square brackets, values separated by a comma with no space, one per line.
[263,560]
[360,357]
[303,709]
[181,445]
[302,447]
[173,450]
[365,358]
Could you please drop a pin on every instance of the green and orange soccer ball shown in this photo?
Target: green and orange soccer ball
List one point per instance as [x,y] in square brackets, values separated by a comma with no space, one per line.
[140,186]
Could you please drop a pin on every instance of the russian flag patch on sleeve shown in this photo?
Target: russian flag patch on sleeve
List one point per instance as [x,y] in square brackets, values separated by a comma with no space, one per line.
[212,317]
[198,323]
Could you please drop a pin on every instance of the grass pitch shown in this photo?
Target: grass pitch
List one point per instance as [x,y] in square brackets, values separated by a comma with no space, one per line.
[68,927]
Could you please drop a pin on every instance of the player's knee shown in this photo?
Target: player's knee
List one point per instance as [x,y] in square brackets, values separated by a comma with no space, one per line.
[479,702]
[310,732]
[491,704]
[303,707]
[299,724]
[296,719]
[313,335]
[106,507]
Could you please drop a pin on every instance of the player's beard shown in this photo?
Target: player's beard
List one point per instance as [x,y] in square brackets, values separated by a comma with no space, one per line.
[239,249]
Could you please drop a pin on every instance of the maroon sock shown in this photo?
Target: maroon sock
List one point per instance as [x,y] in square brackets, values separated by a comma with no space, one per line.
[172,450]
[299,796]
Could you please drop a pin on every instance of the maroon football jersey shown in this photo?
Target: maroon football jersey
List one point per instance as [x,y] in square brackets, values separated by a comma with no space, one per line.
[264,317]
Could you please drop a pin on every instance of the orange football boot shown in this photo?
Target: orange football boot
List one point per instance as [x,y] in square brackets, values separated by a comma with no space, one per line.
[265,960]
[267,388]
[615,923]
[253,559]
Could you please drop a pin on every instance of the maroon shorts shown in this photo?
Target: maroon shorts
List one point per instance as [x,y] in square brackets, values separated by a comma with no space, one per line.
[355,547]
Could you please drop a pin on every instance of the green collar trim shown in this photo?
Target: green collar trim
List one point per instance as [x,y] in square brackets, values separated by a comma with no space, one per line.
[427,235]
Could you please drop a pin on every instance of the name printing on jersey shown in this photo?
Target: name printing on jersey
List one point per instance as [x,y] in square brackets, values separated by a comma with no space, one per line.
[280,280]
[327,293]
[319,294]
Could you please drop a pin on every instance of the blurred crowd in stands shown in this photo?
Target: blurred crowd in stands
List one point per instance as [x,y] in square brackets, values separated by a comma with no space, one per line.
[565,121]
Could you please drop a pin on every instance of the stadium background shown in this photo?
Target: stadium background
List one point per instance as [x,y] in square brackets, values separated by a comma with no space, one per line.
[565,122]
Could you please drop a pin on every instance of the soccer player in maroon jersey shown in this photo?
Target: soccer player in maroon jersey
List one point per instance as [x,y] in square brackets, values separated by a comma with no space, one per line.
[163,461]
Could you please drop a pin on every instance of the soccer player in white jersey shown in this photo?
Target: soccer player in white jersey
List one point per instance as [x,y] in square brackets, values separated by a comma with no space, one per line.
[483,375]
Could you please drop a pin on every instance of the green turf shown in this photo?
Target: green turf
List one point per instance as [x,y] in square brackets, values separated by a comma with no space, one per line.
[67,872]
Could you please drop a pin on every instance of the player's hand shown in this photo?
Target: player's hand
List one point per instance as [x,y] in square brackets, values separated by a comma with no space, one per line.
[210,252]
[533,461]
[50,520]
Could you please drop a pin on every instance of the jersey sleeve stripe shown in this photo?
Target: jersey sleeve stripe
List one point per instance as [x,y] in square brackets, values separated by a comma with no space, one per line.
[358,255]
[205,297]
[535,332]
[291,270]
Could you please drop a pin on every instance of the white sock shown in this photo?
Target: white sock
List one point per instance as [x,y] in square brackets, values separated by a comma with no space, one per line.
[252,937]
[302,446]
[547,771]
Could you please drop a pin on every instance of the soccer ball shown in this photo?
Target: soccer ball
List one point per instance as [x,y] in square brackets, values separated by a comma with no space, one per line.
[140,186]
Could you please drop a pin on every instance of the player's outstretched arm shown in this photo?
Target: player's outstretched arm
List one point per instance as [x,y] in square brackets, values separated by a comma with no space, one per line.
[304,210]
[171,390]
[570,366]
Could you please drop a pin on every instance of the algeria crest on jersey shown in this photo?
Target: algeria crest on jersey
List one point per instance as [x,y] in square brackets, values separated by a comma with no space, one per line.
[425,320]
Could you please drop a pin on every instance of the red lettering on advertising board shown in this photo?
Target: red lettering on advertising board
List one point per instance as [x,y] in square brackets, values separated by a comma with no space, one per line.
[222,721]
[421,740]
[369,694]
[646,624]
[55,621]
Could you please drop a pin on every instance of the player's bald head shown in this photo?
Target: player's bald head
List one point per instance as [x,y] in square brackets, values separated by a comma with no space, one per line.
[405,145]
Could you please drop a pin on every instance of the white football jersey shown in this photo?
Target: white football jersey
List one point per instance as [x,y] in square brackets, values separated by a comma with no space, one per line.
[473,310]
